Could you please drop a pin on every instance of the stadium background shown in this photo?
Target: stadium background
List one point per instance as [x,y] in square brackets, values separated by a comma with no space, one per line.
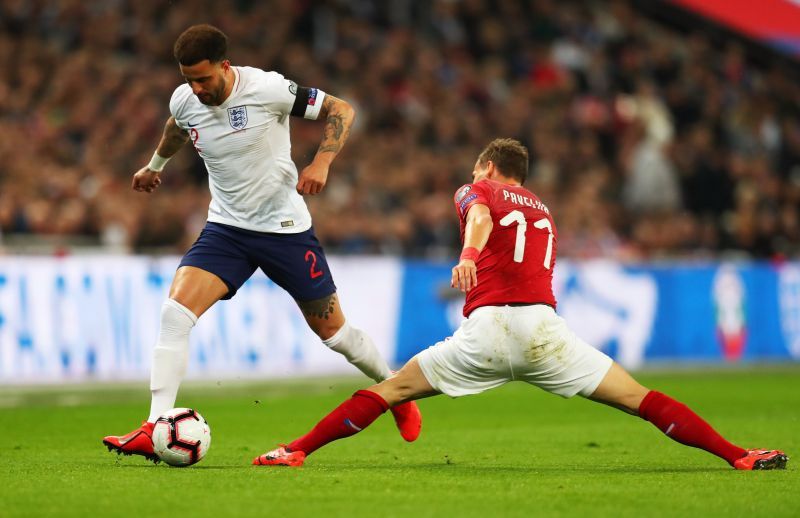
[664,136]
[667,147]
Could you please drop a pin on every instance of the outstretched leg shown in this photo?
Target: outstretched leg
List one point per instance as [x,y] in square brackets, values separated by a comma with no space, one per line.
[326,319]
[352,416]
[678,421]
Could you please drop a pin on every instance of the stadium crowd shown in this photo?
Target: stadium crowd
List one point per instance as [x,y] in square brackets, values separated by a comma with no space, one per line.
[646,142]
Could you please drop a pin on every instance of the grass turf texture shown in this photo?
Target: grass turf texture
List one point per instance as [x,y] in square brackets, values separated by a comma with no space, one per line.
[516,451]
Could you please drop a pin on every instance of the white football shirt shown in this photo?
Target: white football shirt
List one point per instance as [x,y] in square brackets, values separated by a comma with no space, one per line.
[244,143]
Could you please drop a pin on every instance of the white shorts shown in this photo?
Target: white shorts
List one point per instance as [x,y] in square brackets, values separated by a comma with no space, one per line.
[498,344]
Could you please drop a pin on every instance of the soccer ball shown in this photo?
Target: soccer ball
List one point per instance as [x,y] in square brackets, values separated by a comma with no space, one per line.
[181,437]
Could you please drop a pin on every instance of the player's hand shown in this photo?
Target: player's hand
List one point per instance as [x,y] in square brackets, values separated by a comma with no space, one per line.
[145,180]
[465,275]
[312,179]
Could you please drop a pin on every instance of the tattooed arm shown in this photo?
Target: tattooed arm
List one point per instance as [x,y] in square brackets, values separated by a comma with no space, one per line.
[147,178]
[172,140]
[338,116]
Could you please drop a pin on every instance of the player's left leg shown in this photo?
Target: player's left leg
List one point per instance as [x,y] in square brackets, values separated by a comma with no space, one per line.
[297,263]
[678,422]
[473,360]
[325,317]
[352,416]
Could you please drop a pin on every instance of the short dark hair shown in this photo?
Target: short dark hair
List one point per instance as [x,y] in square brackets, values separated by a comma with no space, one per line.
[200,42]
[509,156]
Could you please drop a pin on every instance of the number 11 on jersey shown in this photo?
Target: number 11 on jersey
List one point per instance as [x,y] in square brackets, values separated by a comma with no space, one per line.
[517,217]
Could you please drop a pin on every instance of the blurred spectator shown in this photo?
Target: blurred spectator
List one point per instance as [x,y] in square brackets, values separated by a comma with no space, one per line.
[644,142]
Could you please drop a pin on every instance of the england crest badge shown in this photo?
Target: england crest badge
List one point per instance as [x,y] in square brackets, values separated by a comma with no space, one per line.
[238,117]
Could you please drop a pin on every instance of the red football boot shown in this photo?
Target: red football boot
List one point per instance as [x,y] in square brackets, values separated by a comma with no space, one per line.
[408,419]
[281,456]
[138,442]
[762,459]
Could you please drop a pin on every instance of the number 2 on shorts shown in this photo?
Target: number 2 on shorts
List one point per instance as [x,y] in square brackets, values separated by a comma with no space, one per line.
[313,272]
[517,217]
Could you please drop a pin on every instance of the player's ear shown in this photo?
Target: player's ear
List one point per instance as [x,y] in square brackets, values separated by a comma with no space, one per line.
[491,170]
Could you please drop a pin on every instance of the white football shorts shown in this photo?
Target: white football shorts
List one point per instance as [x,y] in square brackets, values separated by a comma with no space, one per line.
[498,344]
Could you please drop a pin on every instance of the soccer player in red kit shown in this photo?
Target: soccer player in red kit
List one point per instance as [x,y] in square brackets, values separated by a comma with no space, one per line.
[512,332]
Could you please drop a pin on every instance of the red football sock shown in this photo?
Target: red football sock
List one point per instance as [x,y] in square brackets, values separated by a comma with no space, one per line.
[347,419]
[679,423]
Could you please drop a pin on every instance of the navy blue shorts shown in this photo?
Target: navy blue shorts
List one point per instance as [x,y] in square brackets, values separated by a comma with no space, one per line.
[295,262]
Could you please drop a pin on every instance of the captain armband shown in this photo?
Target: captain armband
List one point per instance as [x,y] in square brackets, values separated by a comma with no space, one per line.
[308,102]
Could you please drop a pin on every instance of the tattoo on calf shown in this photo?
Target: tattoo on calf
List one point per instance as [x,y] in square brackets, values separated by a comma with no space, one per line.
[320,308]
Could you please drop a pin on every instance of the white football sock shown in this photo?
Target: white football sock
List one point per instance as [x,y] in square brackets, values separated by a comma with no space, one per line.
[359,349]
[170,357]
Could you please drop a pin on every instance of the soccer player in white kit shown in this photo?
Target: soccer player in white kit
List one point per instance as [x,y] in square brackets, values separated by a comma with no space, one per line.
[237,119]
[512,332]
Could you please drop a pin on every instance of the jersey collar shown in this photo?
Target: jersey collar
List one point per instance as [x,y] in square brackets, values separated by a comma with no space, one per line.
[235,88]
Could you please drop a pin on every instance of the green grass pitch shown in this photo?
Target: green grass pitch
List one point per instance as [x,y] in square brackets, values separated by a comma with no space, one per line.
[515,451]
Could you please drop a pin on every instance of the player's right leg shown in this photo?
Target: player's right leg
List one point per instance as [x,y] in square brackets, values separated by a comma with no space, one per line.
[557,360]
[193,291]
[197,285]
[678,422]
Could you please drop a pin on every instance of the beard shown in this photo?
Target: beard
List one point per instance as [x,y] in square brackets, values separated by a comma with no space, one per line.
[213,98]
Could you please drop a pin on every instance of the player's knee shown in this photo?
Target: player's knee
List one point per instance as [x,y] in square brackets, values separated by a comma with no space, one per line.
[176,319]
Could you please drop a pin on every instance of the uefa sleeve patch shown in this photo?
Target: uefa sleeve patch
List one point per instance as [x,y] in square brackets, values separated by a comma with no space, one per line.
[466,201]
[462,192]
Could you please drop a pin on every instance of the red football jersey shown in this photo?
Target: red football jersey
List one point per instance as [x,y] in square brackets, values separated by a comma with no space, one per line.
[516,266]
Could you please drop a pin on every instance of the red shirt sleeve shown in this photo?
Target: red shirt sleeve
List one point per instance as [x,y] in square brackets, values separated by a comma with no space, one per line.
[467,196]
